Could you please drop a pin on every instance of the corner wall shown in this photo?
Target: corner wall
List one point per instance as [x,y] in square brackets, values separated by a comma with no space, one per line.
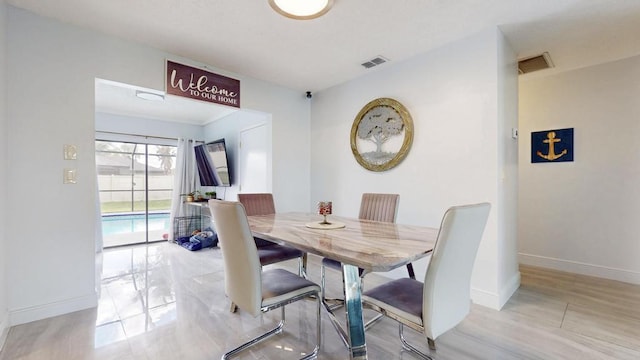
[289,145]
[459,153]
[4,290]
[229,128]
[508,179]
[52,68]
[582,216]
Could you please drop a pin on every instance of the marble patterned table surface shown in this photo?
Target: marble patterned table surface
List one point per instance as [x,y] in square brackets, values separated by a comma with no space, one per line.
[370,245]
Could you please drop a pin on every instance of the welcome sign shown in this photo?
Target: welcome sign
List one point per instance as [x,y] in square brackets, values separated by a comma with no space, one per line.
[198,84]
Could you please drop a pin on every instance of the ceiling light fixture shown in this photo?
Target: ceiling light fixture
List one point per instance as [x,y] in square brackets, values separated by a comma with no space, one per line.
[301,9]
[149,96]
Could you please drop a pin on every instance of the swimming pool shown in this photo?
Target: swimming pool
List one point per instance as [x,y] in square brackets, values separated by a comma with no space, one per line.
[128,223]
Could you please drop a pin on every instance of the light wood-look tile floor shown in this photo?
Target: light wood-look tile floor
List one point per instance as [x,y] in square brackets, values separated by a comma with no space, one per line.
[163,302]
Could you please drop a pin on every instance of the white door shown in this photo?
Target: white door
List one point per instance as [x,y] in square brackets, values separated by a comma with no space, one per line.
[255,159]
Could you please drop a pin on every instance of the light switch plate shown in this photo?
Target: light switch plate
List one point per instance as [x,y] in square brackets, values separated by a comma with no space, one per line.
[70,152]
[69,176]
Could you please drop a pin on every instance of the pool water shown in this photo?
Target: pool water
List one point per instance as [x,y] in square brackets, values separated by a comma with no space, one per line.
[128,223]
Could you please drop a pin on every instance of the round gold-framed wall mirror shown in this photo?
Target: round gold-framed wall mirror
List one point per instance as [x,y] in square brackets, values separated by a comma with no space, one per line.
[381,134]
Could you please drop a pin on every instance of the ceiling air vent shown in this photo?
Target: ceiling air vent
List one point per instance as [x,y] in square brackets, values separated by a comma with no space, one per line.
[374,62]
[535,63]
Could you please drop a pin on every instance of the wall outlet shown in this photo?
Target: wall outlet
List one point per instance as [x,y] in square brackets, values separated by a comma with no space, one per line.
[69,176]
[70,152]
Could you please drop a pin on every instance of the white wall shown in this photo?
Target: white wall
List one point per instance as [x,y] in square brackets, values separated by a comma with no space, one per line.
[229,128]
[460,154]
[147,127]
[52,68]
[289,145]
[508,179]
[582,216]
[3,175]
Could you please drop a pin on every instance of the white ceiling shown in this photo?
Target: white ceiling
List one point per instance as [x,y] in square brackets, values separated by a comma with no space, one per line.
[248,37]
[121,99]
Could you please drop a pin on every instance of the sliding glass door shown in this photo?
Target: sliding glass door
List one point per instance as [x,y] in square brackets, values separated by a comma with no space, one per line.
[135,182]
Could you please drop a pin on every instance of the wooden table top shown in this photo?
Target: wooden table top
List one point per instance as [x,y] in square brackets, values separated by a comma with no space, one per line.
[370,245]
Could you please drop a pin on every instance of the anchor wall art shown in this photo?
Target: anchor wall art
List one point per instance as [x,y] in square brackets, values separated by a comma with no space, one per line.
[552,146]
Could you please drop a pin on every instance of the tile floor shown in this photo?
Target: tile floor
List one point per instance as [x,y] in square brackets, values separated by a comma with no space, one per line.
[161,301]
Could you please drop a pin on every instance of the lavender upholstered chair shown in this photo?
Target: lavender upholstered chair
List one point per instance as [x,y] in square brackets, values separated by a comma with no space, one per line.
[377,207]
[444,299]
[268,252]
[246,284]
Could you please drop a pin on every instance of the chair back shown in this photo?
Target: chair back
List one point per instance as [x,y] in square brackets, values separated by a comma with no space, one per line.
[242,269]
[447,284]
[379,207]
[257,204]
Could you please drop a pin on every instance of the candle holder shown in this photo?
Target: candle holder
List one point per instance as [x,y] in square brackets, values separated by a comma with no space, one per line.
[324,209]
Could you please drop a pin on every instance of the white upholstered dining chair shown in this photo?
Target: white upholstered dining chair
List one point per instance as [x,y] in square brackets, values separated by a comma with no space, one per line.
[246,284]
[269,252]
[444,299]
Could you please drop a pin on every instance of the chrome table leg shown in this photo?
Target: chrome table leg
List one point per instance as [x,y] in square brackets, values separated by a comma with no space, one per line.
[353,307]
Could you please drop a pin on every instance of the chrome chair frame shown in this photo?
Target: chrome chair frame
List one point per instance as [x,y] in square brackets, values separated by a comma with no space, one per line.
[278,329]
[246,284]
[263,204]
[373,206]
[459,238]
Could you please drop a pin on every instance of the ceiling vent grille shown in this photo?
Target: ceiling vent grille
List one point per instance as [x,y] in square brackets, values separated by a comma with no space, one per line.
[374,62]
[535,63]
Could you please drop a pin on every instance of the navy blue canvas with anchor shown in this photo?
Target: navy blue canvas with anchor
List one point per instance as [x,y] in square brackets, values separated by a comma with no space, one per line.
[552,145]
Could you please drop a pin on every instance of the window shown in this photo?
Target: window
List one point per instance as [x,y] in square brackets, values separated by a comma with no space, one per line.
[135,183]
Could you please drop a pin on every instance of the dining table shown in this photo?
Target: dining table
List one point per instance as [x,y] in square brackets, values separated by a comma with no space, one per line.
[371,246]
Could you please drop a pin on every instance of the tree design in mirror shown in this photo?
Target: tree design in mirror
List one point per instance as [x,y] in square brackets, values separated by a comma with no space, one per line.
[381,134]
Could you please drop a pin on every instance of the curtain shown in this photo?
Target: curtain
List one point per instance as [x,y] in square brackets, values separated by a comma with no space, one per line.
[184,181]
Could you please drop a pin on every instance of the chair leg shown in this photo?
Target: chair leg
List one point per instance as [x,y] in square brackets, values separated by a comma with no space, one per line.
[373,321]
[278,329]
[412,274]
[302,266]
[274,331]
[331,304]
[410,347]
[322,283]
[314,353]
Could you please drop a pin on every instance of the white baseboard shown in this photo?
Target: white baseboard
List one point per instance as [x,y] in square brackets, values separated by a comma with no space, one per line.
[4,330]
[576,267]
[509,288]
[39,312]
[485,298]
[493,300]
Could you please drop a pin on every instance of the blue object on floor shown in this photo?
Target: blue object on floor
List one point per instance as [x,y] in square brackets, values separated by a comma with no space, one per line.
[203,239]
[183,239]
[193,246]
